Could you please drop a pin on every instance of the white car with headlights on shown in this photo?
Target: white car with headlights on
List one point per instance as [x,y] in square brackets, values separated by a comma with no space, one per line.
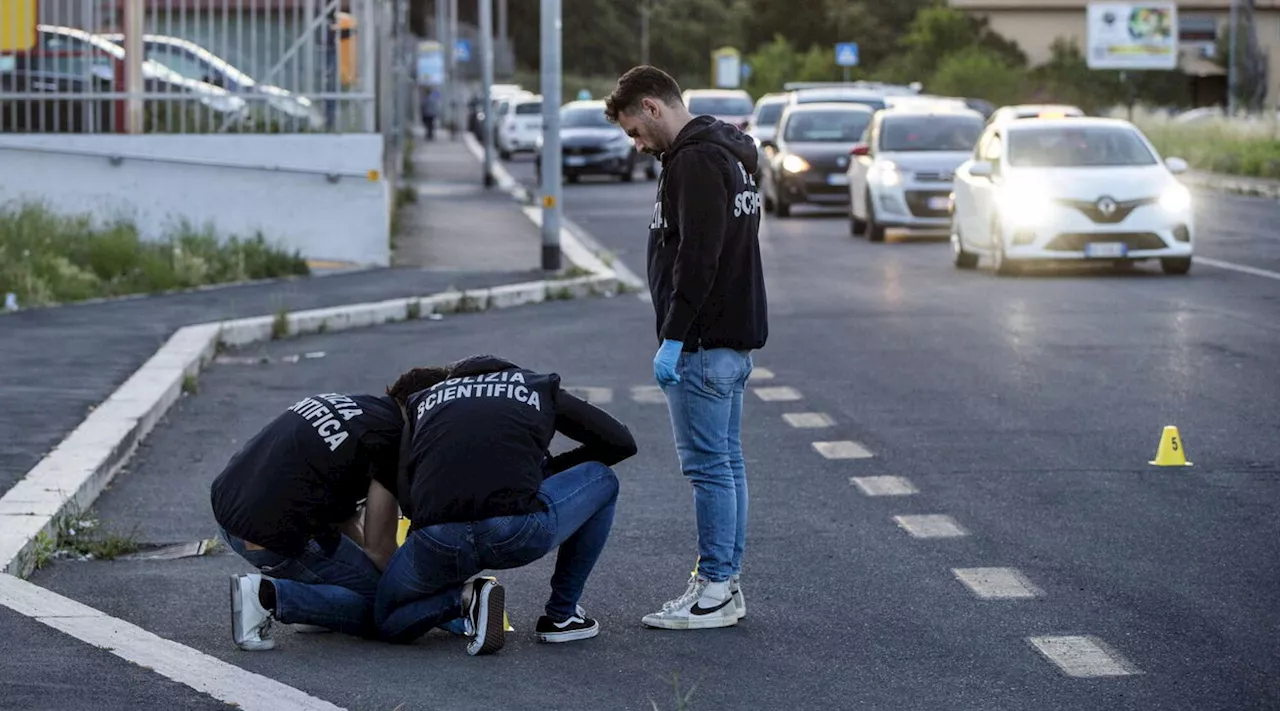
[1070,189]
[900,175]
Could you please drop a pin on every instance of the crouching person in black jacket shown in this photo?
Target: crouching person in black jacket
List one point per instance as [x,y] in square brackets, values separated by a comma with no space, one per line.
[483,493]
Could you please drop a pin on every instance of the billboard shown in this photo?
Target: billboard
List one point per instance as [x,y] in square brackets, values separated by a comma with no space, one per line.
[430,63]
[1132,35]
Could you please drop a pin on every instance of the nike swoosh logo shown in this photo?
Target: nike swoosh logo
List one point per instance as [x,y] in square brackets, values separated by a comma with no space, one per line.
[698,609]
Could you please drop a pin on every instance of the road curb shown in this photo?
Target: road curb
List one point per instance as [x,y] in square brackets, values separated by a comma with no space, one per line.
[68,479]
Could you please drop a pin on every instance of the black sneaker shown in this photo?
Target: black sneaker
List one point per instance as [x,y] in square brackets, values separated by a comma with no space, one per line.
[571,630]
[485,616]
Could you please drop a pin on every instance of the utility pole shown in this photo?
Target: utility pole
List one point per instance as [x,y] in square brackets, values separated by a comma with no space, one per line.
[549,37]
[455,86]
[644,31]
[486,79]
[1232,74]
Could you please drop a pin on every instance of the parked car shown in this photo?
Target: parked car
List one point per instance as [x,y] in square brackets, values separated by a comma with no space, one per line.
[763,125]
[71,67]
[268,102]
[1070,189]
[901,172]
[810,155]
[1030,111]
[591,145]
[733,106]
[520,127]
[476,108]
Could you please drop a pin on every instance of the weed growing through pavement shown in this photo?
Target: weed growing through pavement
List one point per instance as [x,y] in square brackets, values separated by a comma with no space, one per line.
[413,311]
[573,272]
[682,700]
[280,324]
[190,385]
[80,536]
[45,549]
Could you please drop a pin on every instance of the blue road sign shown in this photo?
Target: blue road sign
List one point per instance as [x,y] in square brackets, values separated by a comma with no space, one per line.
[462,50]
[746,71]
[847,54]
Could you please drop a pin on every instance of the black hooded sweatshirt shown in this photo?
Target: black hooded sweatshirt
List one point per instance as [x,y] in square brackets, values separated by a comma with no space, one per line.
[476,446]
[705,274]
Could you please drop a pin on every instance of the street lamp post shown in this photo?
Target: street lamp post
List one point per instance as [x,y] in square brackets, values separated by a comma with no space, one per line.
[551,160]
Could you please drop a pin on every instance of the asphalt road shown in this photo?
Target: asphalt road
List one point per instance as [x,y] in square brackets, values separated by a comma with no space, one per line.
[1024,409]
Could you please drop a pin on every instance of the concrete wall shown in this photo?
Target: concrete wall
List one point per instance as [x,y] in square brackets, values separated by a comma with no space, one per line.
[241,184]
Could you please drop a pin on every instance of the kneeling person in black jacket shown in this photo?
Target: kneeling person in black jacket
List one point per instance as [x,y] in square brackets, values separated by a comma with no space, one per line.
[482,492]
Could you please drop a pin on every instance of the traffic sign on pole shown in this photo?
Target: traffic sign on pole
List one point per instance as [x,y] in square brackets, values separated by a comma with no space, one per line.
[847,54]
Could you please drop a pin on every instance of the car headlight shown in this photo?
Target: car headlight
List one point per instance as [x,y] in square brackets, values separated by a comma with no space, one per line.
[1025,206]
[887,174]
[795,164]
[1176,198]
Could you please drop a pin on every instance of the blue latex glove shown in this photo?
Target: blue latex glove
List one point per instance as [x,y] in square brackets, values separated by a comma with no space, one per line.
[664,363]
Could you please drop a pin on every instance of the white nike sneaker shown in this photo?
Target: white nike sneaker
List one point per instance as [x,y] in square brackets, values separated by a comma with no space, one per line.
[703,605]
[739,602]
[250,621]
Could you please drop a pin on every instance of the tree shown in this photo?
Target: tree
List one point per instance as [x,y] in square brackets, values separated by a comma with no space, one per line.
[979,72]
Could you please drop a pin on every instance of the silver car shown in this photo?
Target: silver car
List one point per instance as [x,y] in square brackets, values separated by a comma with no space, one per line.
[901,172]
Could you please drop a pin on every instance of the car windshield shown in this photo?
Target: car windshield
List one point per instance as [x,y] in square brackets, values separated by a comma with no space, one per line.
[528,109]
[930,133]
[719,106]
[584,118]
[826,126]
[1077,147]
[769,114]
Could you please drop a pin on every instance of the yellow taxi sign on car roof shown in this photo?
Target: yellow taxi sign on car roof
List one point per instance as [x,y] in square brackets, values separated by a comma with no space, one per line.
[1051,114]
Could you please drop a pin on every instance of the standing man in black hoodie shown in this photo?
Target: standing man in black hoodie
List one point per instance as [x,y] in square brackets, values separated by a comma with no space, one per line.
[483,493]
[708,292]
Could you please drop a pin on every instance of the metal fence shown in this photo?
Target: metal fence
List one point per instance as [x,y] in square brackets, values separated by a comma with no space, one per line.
[207,66]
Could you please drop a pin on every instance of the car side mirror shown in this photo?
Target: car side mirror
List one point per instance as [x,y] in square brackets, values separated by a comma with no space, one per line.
[982,169]
[860,149]
[768,145]
[1176,165]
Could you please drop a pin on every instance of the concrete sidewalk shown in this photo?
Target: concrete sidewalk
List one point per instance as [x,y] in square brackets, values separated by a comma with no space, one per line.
[452,200]
[56,364]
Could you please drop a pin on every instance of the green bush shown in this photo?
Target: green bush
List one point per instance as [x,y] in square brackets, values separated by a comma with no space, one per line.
[48,258]
[976,71]
[1248,147]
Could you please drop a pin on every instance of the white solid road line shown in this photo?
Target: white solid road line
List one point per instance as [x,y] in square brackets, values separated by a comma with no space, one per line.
[844,449]
[997,583]
[778,394]
[595,396]
[206,674]
[884,485]
[761,374]
[1084,657]
[1232,266]
[808,420]
[931,526]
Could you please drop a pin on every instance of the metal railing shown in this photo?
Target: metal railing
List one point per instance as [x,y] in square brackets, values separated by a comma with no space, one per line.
[207,66]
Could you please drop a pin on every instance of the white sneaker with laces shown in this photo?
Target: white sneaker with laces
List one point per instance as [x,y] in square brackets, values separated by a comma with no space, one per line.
[704,605]
[250,621]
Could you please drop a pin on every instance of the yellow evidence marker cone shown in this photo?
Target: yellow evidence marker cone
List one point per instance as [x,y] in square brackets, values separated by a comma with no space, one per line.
[402,531]
[1171,452]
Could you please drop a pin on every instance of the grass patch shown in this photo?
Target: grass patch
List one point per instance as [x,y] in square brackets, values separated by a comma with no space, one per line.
[190,385]
[280,324]
[78,536]
[413,311]
[573,271]
[48,258]
[1243,146]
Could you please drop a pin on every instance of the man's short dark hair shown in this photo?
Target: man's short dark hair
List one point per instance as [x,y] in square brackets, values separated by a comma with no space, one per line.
[640,83]
[415,381]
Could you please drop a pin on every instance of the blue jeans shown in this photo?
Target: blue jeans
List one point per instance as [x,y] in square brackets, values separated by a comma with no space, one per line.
[335,590]
[422,586]
[706,416]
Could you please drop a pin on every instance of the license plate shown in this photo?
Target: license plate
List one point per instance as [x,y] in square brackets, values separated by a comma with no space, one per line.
[938,203]
[575,161]
[837,179]
[1105,249]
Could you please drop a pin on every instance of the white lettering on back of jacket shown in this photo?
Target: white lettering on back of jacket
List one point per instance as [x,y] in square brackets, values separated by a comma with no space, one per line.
[748,202]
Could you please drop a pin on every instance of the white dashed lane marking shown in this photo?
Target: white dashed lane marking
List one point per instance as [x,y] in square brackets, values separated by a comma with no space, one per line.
[884,485]
[648,394]
[595,396]
[1083,657]
[845,449]
[931,526]
[997,583]
[761,374]
[808,420]
[778,394]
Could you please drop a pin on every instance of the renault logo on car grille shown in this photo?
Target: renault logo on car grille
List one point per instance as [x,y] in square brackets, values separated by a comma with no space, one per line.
[1106,206]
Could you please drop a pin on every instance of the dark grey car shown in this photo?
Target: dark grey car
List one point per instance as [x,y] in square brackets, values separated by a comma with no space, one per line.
[590,145]
[809,155]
